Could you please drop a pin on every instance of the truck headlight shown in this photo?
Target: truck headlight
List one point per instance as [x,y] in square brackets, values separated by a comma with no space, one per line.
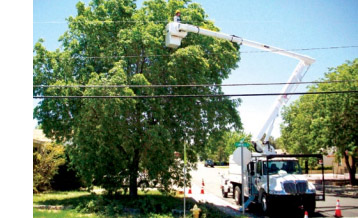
[310,189]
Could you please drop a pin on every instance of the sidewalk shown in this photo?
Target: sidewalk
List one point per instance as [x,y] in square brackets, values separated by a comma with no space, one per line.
[221,204]
[330,179]
[209,198]
[335,184]
[330,176]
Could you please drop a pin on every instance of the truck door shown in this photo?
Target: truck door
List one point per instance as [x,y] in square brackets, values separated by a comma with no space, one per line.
[257,178]
[253,176]
[250,176]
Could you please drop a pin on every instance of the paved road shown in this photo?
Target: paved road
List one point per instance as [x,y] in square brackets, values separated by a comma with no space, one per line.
[211,177]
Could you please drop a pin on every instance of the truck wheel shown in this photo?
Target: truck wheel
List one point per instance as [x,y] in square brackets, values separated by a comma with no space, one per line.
[237,195]
[265,206]
[223,192]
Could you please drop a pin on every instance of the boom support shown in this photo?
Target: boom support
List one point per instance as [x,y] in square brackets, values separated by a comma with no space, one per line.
[177,31]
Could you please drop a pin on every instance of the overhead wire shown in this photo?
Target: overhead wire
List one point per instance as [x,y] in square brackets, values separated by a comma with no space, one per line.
[199,96]
[305,49]
[139,21]
[100,21]
[166,21]
[242,52]
[192,85]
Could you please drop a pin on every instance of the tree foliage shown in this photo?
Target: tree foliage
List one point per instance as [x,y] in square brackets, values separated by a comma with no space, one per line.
[221,146]
[316,122]
[47,158]
[113,43]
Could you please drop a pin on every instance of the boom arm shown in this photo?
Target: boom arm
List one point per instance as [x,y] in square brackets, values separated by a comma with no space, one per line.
[177,31]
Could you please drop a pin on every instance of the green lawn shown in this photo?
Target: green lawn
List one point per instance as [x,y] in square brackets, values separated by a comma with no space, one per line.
[74,214]
[61,214]
[151,204]
[223,167]
[71,199]
[61,198]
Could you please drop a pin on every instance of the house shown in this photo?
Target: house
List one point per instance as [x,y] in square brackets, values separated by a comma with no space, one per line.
[39,137]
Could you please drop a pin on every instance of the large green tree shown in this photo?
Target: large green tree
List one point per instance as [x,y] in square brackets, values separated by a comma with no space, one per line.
[113,43]
[316,122]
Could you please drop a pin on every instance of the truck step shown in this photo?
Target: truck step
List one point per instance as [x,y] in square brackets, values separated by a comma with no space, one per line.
[247,203]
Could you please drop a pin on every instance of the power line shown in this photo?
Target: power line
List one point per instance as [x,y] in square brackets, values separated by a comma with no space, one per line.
[167,21]
[305,49]
[140,21]
[191,85]
[199,96]
[101,21]
[104,57]
[149,56]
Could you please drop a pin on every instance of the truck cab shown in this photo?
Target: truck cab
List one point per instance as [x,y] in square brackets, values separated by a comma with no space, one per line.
[280,180]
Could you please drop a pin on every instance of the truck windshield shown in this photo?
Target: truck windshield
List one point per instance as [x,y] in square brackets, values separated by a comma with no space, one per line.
[290,166]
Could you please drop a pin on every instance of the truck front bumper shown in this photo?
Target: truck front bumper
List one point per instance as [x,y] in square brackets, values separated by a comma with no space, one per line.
[294,200]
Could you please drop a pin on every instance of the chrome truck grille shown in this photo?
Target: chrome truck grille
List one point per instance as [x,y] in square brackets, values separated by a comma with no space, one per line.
[298,187]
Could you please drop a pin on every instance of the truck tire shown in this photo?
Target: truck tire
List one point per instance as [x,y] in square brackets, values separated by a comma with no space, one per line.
[237,195]
[265,204]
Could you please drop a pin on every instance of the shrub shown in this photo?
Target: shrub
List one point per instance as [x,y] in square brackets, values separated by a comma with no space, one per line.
[47,157]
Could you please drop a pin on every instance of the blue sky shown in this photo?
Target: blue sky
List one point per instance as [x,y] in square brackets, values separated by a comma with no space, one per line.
[285,24]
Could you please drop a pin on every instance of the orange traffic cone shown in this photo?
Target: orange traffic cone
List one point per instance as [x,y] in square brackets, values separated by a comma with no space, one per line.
[306,214]
[202,190]
[338,209]
[189,192]
[202,182]
[202,196]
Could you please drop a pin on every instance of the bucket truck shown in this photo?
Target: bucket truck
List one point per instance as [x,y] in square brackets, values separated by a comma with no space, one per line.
[267,178]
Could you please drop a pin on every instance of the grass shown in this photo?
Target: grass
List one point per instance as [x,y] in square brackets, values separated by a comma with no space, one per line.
[71,199]
[151,204]
[61,214]
[222,167]
[74,214]
[61,198]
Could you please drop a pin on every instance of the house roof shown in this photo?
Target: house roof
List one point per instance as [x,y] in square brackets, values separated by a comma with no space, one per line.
[39,136]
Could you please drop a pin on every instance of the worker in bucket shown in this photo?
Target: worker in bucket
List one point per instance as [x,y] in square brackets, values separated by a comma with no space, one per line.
[177,16]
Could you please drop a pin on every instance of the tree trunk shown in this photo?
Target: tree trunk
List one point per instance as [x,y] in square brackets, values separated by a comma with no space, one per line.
[133,186]
[351,169]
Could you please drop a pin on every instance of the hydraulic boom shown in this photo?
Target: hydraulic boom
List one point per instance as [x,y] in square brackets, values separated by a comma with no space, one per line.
[177,31]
